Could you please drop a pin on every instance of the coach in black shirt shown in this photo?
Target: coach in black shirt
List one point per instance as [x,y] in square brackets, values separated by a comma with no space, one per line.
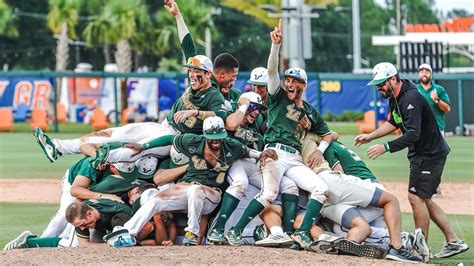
[427,150]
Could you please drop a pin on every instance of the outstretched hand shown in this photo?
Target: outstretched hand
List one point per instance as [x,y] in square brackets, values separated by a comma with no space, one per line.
[276,34]
[267,154]
[172,7]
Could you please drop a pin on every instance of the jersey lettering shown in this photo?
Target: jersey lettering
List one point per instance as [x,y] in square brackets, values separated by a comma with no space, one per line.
[292,113]
[190,122]
[199,164]
[221,169]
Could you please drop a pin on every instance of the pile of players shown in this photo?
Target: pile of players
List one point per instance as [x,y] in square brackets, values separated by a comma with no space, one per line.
[258,168]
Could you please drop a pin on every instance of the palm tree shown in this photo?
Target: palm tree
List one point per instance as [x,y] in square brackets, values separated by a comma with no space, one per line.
[197,17]
[119,23]
[7,21]
[62,19]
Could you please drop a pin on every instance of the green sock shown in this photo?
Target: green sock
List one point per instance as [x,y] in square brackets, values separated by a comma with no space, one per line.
[312,212]
[229,204]
[36,242]
[254,209]
[289,205]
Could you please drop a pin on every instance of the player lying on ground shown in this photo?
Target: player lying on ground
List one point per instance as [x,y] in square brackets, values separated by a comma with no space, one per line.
[101,215]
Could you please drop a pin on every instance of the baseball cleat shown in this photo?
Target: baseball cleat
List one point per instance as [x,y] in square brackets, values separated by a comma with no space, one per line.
[420,245]
[18,242]
[216,236]
[102,153]
[403,254]
[260,232]
[277,240]
[302,239]
[234,237]
[452,248]
[347,247]
[47,145]
[190,239]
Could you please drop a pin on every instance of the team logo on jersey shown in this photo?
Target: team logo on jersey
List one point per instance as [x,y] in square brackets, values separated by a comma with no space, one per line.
[246,135]
[192,149]
[292,113]
[187,102]
[221,170]
[190,121]
[198,163]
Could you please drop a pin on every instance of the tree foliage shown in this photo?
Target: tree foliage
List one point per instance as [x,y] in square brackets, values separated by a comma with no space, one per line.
[8,21]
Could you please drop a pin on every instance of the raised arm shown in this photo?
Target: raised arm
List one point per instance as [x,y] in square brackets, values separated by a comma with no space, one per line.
[173,8]
[272,65]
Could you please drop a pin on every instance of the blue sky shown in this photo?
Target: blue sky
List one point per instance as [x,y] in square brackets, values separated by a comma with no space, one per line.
[447,5]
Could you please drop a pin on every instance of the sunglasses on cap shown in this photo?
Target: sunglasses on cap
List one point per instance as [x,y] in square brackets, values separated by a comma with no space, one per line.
[254,107]
[214,130]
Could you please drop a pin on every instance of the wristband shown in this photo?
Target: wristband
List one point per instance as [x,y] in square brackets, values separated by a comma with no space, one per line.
[243,108]
[387,148]
[323,145]
[197,114]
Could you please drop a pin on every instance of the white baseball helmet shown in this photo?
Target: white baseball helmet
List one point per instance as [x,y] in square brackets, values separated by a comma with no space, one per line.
[297,73]
[254,98]
[200,62]
[381,72]
[125,167]
[178,158]
[147,165]
[259,76]
[214,128]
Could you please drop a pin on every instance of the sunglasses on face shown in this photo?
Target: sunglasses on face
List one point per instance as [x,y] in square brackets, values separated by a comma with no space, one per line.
[381,84]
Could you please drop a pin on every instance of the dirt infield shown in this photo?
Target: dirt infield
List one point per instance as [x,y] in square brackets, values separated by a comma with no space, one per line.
[49,190]
[203,255]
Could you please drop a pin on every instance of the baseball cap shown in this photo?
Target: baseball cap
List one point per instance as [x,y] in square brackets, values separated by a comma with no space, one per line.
[381,72]
[254,98]
[213,128]
[297,73]
[177,158]
[259,76]
[425,66]
[144,168]
[200,62]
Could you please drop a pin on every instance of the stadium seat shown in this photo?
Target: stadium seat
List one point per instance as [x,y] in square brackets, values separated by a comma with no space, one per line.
[124,116]
[367,125]
[6,119]
[21,113]
[61,111]
[99,120]
[39,118]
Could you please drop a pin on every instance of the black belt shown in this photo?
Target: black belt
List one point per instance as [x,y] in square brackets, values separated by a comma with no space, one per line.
[283,147]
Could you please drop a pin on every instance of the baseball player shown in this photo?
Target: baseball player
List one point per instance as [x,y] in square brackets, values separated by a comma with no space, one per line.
[241,126]
[226,67]
[427,150]
[259,81]
[289,120]
[198,191]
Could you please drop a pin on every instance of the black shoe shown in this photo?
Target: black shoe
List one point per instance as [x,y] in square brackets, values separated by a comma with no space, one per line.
[403,254]
[348,247]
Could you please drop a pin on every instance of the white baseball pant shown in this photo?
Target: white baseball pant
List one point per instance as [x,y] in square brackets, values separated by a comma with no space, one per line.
[245,171]
[194,198]
[58,223]
[290,165]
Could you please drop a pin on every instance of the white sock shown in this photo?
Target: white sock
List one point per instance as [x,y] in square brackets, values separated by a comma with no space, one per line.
[275,230]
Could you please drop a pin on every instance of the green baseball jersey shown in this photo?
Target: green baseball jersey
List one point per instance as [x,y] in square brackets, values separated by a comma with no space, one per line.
[261,122]
[83,167]
[249,136]
[199,170]
[115,184]
[352,164]
[443,95]
[230,99]
[107,209]
[206,100]
[283,121]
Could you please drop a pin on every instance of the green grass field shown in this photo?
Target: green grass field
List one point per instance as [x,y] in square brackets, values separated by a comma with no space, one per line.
[17,217]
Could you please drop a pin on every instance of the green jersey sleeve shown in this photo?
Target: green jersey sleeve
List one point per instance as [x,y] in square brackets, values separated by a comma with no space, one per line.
[187,143]
[331,156]
[318,126]
[189,49]
[443,95]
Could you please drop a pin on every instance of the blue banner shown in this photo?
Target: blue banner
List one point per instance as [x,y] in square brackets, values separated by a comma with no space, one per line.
[33,92]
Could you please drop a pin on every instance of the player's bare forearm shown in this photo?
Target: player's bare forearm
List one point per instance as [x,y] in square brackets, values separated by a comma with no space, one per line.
[233,121]
[172,231]
[160,230]
[443,106]
[89,149]
[205,114]
[165,176]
